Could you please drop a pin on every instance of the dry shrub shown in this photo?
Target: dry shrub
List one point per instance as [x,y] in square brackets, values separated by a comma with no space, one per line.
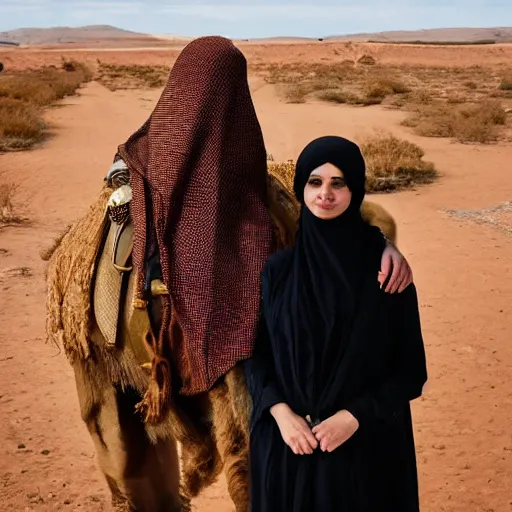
[116,77]
[333,96]
[376,90]
[23,94]
[7,193]
[455,100]
[339,96]
[74,66]
[394,163]
[506,83]
[381,87]
[367,60]
[466,123]
[44,86]
[20,124]
[471,85]
[296,93]
[420,97]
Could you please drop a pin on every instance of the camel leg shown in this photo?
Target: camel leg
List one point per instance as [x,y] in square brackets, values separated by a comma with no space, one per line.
[142,476]
[232,443]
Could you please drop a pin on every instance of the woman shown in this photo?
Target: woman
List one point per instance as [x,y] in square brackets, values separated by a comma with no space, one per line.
[337,359]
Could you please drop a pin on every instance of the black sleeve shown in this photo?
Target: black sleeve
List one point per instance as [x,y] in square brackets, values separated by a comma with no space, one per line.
[410,372]
[260,374]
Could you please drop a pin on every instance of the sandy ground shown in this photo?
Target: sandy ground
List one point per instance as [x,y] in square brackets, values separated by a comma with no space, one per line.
[268,52]
[462,271]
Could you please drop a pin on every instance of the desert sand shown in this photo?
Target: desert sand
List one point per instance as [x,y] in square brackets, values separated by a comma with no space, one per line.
[461,268]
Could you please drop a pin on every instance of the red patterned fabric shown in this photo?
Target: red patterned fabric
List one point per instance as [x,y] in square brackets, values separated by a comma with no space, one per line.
[198,172]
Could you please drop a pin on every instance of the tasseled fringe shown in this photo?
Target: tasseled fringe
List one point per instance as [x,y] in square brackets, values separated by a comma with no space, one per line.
[156,402]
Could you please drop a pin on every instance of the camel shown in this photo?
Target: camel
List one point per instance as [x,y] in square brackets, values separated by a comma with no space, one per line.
[108,340]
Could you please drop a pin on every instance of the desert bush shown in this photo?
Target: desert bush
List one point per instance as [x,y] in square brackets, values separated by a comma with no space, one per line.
[333,96]
[455,100]
[471,85]
[339,96]
[127,76]
[22,96]
[296,93]
[377,89]
[506,84]
[393,163]
[385,86]
[466,123]
[44,86]
[74,66]
[367,60]
[7,193]
[21,125]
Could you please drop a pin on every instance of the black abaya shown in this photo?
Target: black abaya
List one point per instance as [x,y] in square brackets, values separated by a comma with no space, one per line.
[381,369]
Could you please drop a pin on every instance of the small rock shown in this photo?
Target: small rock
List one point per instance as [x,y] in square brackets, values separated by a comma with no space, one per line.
[21,446]
[67,502]
[45,452]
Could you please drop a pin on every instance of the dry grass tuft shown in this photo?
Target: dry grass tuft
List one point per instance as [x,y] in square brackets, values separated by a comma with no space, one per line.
[44,86]
[296,93]
[21,125]
[399,86]
[392,164]
[7,193]
[470,84]
[24,94]
[506,83]
[465,123]
[339,96]
[367,60]
[133,76]
[384,86]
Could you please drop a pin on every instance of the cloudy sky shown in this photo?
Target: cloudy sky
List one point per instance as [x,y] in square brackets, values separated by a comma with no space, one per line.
[262,18]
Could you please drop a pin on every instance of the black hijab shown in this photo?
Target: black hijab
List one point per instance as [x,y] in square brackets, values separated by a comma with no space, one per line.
[315,297]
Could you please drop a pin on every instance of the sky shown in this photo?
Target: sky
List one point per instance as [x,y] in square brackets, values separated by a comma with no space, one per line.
[252,19]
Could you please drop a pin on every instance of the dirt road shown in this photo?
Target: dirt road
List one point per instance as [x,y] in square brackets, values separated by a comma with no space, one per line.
[462,270]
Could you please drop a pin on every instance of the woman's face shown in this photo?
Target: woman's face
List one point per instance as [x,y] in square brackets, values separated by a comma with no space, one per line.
[326,194]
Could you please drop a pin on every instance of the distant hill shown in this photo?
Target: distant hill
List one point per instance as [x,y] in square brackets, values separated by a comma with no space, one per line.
[70,35]
[453,35]
[106,35]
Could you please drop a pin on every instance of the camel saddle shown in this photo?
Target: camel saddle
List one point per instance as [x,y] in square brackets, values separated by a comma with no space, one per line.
[113,290]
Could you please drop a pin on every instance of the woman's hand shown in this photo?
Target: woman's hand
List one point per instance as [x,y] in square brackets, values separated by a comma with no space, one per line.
[336,430]
[401,277]
[294,430]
